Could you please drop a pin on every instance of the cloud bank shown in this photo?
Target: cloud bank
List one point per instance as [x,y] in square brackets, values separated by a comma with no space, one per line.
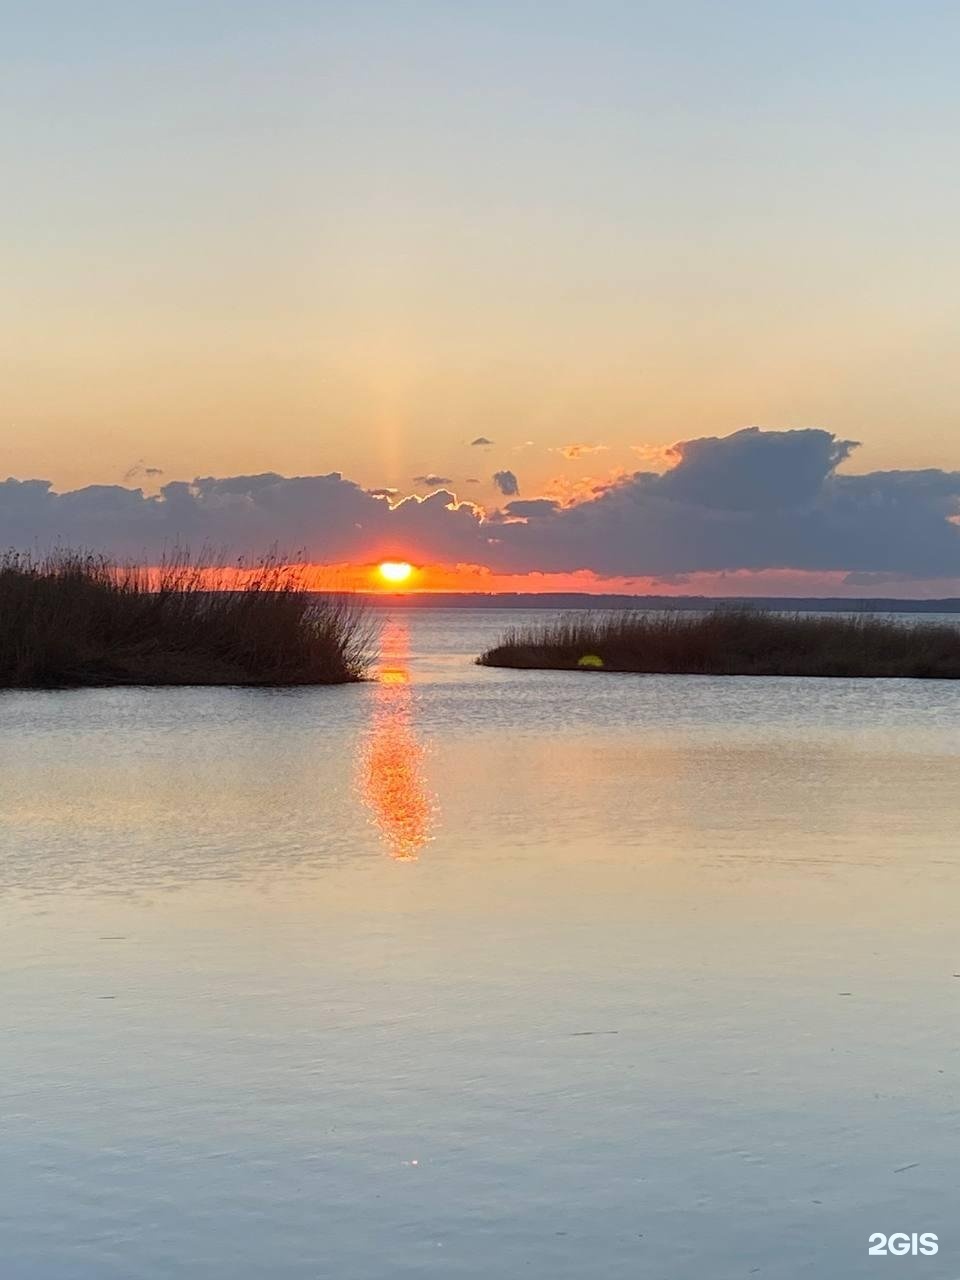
[754,500]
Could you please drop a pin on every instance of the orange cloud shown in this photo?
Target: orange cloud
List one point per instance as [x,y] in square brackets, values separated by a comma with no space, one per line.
[585,488]
[573,451]
[660,457]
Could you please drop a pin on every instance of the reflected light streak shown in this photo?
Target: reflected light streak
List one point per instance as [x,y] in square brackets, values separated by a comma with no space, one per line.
[392,779]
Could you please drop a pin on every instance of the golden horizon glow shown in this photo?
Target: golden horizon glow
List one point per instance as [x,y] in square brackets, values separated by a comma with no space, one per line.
[430,578]
[395,571]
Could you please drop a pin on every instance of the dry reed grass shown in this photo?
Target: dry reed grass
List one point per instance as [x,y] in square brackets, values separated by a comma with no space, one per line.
[735,641]
[73,618]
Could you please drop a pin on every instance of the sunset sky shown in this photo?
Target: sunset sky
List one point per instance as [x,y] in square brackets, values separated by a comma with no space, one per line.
[306,238]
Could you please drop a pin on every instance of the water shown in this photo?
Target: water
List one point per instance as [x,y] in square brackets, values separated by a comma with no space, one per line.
[472,973]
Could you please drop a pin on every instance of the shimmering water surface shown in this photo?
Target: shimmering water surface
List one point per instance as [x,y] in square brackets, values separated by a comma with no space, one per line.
[477,973]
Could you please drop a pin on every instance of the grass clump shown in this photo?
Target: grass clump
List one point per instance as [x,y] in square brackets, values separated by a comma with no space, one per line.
[72,619]
[734,642]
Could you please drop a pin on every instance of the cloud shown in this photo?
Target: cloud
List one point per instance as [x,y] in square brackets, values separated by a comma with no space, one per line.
[532,507]
[430,481]
[567,489]
[506,482]
[749,502]
[755,500]
[659,456]
[382,493]
[754,469]
[573,451]
[325,518]
[140,468]
[480,440]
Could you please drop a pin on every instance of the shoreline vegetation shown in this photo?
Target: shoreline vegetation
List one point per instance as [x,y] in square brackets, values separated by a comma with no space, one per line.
[71,619]
[733,642]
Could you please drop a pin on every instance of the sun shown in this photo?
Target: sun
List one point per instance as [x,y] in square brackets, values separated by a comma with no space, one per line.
[395,571]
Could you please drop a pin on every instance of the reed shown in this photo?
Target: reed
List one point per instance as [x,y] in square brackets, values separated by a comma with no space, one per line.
[73,618]
[736,642]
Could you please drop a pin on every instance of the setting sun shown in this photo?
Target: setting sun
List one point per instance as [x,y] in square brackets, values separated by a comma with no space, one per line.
[396,571]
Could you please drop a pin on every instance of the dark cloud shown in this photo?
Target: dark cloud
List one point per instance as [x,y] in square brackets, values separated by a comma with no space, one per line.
[140,468]
[430,481]
[506,482]
[326,518]
[480,440]
[532,507]
[753,469]
[382,493]
[754,500]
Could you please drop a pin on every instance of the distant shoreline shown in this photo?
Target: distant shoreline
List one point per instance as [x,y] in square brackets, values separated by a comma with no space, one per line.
[583,600]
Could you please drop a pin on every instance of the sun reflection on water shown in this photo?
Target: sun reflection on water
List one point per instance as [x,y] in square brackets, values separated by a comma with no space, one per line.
[392,779]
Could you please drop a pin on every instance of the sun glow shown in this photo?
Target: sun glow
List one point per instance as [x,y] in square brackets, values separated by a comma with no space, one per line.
[395,571]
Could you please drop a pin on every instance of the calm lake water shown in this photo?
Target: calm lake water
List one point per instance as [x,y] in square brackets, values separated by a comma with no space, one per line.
[481,974]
